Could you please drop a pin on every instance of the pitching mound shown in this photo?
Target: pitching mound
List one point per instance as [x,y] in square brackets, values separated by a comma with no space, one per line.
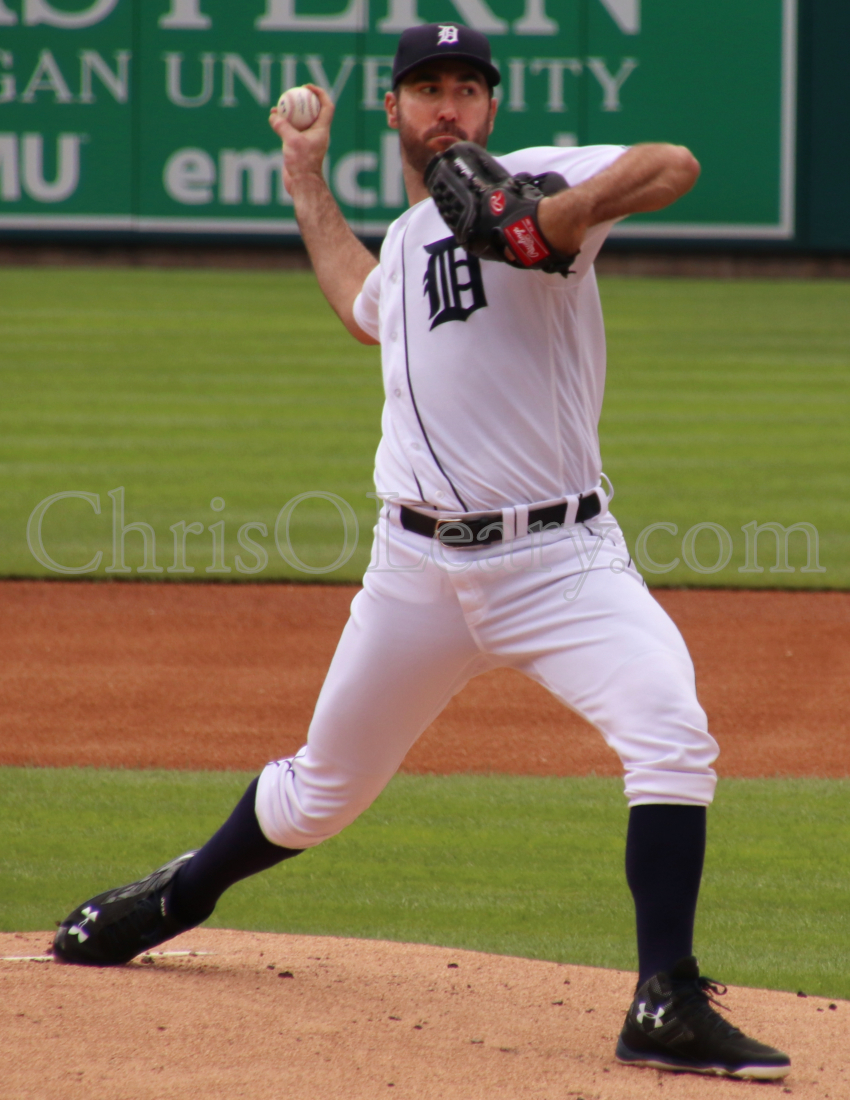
[241,1014]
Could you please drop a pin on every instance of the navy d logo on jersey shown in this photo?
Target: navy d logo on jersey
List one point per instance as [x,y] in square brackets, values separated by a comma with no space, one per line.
[453,282]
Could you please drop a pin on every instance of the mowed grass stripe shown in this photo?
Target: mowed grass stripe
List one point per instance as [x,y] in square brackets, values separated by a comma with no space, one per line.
[749,427]
[182,387]
[511,865]
[727,402]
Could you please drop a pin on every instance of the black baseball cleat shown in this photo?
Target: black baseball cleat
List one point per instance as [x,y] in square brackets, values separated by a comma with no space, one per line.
[119,924]
[671,1025]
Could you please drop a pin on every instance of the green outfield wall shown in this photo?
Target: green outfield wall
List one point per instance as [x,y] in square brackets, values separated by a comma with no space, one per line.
[149,116]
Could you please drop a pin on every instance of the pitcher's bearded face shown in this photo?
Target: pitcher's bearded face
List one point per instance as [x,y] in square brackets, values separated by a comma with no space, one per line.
[438,105]
[420,148]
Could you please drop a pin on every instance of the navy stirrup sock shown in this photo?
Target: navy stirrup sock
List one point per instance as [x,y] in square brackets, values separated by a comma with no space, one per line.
[237,850]
[665,847]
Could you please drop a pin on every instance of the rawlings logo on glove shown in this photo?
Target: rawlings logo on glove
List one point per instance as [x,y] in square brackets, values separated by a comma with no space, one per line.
[527,241]
[493,214]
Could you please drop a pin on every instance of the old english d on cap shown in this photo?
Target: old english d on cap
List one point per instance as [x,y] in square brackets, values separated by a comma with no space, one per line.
[435,40]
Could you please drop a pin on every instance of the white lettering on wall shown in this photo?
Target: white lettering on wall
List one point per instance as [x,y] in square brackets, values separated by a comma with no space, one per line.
[535,20]
[256,176]
[67,168]
[516,71]
[377,80]
[282,16]
[402,14]
[316,69]
[174,83]
[259,169]
[116,83]
[392,178]
[288,71]
[7,80]
[10,179]
[257,80]
[189,175]
[41,11]
[625,13]
[47,77]
[611,85]
[259,86]
[185,15]
[498,91]
[476,14]
[555,67]
[346,177]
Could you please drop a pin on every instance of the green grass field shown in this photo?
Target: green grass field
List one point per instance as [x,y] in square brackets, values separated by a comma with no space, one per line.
[511,865]
[727,403]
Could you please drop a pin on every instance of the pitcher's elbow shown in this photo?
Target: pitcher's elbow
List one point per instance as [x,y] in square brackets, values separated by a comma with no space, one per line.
[685,164]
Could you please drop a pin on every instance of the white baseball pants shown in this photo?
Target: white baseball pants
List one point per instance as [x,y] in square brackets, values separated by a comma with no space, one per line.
[567,608]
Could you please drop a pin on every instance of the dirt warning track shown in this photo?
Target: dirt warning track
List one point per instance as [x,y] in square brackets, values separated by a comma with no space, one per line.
[225,677]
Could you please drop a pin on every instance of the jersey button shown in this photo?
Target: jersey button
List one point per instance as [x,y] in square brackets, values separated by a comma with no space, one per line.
[398,393]
[394,336]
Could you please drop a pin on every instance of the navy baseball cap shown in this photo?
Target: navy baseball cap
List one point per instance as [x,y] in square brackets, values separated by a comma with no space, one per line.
[436,40]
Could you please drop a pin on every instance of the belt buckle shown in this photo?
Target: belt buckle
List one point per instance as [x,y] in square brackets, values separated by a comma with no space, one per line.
[451,540]
[471,533]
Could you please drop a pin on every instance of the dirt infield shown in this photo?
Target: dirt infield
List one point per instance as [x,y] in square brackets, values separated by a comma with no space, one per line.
[225,677]
[215,676]
[358,1018]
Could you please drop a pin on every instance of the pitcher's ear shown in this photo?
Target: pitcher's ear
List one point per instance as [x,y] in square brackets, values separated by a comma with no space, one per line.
[391,107]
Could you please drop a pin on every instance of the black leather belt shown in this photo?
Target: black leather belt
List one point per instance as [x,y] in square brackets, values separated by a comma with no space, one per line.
[483,530]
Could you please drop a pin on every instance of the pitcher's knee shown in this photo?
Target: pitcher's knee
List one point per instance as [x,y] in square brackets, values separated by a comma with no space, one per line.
[660,732]
[301,802]
[647,785]
[669,759]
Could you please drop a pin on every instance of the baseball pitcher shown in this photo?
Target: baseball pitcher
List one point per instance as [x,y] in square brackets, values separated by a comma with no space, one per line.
[495,544]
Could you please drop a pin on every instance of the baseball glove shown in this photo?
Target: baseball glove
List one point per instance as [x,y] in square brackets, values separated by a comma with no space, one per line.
[493,214]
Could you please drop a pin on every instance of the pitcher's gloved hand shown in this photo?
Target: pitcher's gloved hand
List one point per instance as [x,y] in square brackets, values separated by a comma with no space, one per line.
[493,214]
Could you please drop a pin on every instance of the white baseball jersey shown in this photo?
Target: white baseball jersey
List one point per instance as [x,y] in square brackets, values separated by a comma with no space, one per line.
[493,376]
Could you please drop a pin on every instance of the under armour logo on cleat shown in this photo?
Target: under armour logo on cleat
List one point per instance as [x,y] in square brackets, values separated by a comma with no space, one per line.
[642,1014]
[447,35]
[79,930]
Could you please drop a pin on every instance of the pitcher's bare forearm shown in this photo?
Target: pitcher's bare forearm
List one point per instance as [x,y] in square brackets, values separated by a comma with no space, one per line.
[340,261]
[646,177]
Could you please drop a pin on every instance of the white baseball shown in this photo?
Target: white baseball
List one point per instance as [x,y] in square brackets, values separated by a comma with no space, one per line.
[300,106]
